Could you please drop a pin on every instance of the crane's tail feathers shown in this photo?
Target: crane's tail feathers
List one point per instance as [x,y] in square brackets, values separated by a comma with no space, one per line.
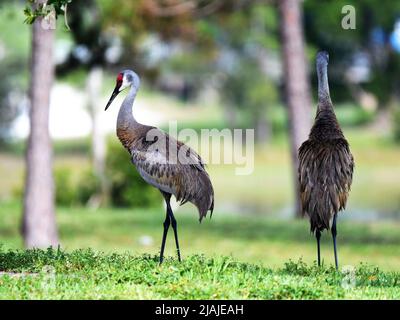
[203,210]
[212,208]
[203,198]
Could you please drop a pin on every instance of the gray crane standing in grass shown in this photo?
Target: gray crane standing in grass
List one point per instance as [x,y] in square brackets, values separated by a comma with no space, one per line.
[161,160]
[325,164]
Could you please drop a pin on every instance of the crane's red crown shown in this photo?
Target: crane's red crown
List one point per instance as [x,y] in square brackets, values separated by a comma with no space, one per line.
[120,77]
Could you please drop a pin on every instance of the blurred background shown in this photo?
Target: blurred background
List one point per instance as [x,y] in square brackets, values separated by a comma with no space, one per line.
[207,64]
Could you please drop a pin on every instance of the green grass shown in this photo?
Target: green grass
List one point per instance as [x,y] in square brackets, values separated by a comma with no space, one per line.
[229,256]
[86,274]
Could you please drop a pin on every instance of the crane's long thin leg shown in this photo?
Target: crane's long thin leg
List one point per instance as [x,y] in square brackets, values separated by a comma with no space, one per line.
[166,227]
[174,226]
[318,236]
[334,233]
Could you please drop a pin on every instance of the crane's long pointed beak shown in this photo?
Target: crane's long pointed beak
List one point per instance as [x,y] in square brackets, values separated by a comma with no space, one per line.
[114,94]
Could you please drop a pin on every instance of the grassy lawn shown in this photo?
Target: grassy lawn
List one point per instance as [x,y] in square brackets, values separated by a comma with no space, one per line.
[85,274]
[125,244]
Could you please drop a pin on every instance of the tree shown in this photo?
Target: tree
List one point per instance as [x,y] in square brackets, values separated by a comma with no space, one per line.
[296,81]
[39,223]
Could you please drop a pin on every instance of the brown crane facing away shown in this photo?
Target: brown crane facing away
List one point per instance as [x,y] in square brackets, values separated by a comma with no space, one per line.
[162,161]
[325,164]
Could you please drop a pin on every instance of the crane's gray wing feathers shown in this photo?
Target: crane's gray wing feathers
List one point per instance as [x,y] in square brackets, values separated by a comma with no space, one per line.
[173,167]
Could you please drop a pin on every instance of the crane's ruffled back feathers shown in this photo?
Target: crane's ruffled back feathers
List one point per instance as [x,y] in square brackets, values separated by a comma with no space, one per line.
[325,172]
[325,175]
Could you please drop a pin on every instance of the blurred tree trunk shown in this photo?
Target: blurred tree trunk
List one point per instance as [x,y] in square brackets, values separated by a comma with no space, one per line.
[296,81]
[263,130]
[39,224]
[94,84]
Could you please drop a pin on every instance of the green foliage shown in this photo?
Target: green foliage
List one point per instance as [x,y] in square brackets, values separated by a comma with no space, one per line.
[72,191]
[71,146]
[44,9]
[248,88]
[86,274]
[353,115]
[88,186]
[127,187]
[66,191]
[251,92]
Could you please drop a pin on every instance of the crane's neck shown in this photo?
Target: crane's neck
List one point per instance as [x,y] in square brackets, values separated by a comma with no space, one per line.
[126,120]
[324,98]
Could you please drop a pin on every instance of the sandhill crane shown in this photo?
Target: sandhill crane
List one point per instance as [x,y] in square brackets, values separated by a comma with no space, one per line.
[326,164]
[162,161]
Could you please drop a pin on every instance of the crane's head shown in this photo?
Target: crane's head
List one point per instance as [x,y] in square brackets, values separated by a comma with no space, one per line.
[125,79]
